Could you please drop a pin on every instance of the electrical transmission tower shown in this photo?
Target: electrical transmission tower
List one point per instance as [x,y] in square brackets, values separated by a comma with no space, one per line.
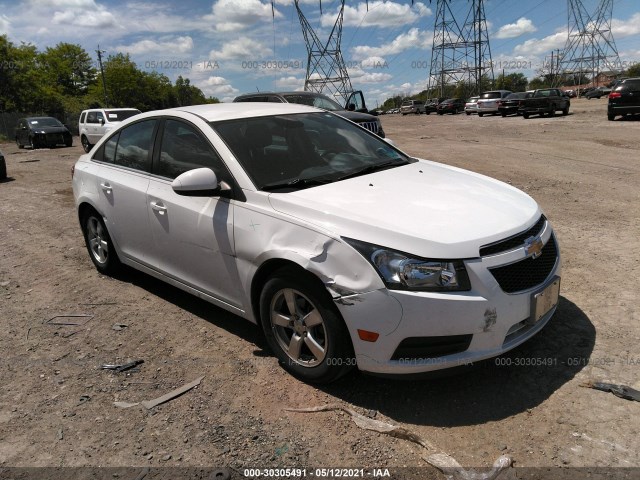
[326,70]
[590,47]
[461,54]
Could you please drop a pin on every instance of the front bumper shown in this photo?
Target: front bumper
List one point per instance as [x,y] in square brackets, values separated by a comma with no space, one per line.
[475,325]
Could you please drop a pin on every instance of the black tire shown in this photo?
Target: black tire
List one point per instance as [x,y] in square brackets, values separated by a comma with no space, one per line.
[86,146]
[525,116]
[3,170]
[92,226]
[69,142]
[552,113]
[503,115]
[610,117]
[428,113]
[565,111]
[18,143]
[330,337]
[33,143]
[468,113]
[480,114]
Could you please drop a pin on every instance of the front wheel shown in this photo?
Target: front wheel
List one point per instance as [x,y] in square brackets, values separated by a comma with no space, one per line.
[565,111]
[480,114]
[33,143]
[86,146]
[525,116]
[304,328]
[610,117]
[18,143]
[99,244]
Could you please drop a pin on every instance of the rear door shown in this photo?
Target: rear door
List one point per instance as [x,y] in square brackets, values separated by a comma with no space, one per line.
[192,237]
[630,94]
[123,179]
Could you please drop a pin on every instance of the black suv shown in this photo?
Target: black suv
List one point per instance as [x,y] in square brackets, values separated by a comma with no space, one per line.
[624,99]
[354,110]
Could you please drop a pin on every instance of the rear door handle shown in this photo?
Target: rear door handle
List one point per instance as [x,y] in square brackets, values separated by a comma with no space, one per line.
[106,187]
[159,207]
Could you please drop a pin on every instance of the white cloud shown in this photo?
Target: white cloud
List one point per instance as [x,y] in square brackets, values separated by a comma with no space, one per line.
[290,83]
[512,30]
[360,76]
[242,48]
[234,15]
[379,14]
[217,87]
[4,25]
[542,46]
[374,62]
[172,45]
[81,18]
[626,28]
[414,38]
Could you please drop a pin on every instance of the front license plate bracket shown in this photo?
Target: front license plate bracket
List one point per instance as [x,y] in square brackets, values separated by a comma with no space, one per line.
[543,301]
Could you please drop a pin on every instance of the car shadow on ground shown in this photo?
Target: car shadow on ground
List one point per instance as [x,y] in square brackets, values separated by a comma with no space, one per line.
[196,306]
[489,391]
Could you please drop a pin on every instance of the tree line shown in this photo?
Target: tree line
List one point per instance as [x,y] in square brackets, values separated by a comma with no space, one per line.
[64,78]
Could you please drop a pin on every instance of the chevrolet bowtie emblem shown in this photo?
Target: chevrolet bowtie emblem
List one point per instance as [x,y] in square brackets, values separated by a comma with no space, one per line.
[533,247]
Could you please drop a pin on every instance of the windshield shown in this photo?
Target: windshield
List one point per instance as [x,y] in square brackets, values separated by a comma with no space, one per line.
[318,101]
[515,96]
[120,115]
[302,150]
[44,122]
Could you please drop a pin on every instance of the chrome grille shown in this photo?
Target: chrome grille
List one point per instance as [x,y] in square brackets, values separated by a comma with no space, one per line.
[371,126]
[514,241]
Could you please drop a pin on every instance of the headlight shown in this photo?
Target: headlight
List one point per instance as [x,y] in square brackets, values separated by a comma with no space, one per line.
[402,271]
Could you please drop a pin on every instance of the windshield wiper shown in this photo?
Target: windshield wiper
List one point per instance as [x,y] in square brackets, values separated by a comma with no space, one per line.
[295,183]
[373,168]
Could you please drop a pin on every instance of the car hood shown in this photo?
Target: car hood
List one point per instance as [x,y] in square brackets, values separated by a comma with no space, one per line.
[425,208]
[356,117]
[50,129]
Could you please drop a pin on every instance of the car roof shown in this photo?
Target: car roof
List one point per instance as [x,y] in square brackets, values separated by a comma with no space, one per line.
[300,93]
[111,109]
[232,111]
[38,118]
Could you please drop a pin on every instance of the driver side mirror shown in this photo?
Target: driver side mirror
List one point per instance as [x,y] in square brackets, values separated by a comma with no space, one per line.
[200,182]
[351,107]
[101,121]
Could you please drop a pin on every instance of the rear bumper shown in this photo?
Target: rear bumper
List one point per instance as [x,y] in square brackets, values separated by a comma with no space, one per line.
[623,109]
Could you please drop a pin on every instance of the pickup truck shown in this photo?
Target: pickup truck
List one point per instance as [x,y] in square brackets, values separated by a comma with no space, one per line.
[545,100]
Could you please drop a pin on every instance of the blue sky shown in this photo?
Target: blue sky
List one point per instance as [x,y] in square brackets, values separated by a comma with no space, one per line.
[228,47]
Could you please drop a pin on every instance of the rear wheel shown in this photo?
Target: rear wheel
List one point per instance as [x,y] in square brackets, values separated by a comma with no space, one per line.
[99,243]
[304,328]
[68,142]
[610,117]
[480,114]
[525,116]
[565,111]
[552,113]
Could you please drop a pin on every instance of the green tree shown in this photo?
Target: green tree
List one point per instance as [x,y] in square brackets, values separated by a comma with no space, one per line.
[516,82]
[69,67]
[633,70]
[20,77]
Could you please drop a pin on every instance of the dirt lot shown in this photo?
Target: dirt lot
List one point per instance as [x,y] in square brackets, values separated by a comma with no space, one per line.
[57,407]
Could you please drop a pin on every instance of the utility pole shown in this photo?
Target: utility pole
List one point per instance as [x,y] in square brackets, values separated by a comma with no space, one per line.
[460,51]
[590,46]
[104,82]
[326,69]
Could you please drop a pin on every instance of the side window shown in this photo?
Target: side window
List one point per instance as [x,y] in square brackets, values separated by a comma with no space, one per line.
[83,116]
[108,151]
[134,145]
[92,118]
[274,99]
[99,116]
[183,149]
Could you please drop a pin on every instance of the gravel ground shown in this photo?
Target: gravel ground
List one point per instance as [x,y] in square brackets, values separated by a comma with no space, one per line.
[57,407]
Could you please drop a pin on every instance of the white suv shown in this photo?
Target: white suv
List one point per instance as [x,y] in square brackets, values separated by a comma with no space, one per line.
[94,123]
[345,250]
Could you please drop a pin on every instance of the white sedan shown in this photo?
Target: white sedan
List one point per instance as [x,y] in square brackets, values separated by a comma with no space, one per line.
[345,250]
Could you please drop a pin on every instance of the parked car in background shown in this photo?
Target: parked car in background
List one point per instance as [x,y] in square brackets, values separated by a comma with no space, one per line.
[94,123]
[570,93]
[544,101]
[268,211]
[412,106]
[39,132]
[597,92]
[471,106]
[431,105]
[3,166]
[353,110]
[624,99]
[451,105]
[488,101]
[511,103]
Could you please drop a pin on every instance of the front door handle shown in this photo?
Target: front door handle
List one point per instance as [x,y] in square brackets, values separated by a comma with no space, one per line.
[106,187]
[159,207]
